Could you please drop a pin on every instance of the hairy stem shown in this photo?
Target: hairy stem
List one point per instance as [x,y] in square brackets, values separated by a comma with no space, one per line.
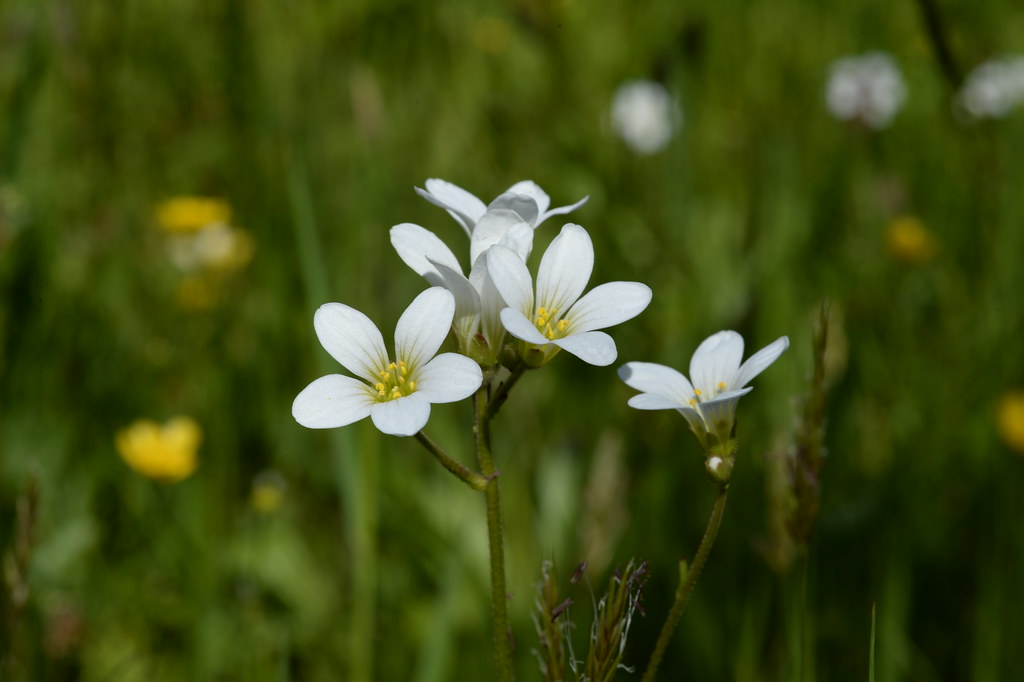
[686,588]
[465,474]
[495,539]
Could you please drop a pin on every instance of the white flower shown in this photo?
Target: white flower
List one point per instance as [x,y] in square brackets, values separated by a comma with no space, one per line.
[525,198]
[555,319]
[868,88]
[395,395]
[719,381]
[644,116]
[994,88]
[477,303]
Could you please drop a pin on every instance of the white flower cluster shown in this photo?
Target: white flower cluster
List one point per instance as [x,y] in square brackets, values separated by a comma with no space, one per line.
[868,88]
[994,88]
[497,297]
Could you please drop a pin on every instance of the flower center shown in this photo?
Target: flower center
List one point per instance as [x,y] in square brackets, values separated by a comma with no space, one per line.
[699,397]
[394,382]
[549,325]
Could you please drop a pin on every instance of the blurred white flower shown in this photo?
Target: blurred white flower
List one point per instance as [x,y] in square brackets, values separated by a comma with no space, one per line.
[395,395]
[868,88]
[994,88]
[644,116]
[719,381]
[557,317]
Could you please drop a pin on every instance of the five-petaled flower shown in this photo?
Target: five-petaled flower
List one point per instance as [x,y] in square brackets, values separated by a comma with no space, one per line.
[395,395]
[718,382]
[557,318]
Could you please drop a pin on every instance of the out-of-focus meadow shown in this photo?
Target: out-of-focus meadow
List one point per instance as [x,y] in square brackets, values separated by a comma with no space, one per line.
[319,555]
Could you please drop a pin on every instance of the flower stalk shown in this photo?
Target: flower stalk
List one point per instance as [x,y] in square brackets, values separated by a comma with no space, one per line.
[495,536]
[688,582]
[464,473]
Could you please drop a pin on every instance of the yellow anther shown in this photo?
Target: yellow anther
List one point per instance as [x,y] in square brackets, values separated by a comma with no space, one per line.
[395,393]
[541,312]
[401,380]
[549,332]
[380,389]
[540,321]
[403,369]
[563,325]
[693,402]
[392,367]
[697,391]
[722,385]
[412,386]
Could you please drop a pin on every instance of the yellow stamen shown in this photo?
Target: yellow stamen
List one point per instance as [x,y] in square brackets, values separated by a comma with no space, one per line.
[693,402]
[697,391]
[412,386]
[721,385]
[563,325]
[380,389]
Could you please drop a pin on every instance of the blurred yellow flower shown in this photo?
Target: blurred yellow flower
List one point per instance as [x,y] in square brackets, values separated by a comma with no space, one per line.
[191,214]
[268,491]
[909,241]
[166,453]
[1010,419]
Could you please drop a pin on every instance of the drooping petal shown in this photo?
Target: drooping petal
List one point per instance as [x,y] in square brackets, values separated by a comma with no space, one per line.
[608,304]
[332,401]
[460,204]
[448,377]
[653,401]
[520,327]
[512,278]
[595,348]
[467,303]
[651,377]
[565,269]
[759,361]
[491,303]
[420,248]
[401,417]
[519,238]
[423,326]
[561,210]
[524,206]
[490,230]
[715,361]
[351,339]
[532,189]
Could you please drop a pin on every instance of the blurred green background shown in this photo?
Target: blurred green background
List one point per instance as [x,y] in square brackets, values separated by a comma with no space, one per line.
[298,555]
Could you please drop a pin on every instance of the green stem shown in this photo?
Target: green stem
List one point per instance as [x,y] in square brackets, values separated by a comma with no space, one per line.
[465,474]
[499,605]
[501,395]
[683,593]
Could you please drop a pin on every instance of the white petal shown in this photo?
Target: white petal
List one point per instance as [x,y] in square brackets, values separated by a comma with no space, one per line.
[447,378]
[402,416]
[565,269]
[608,304]
[519,238]
[467,303]
[351,339]
[491,303]
[653,401]
[490,230]
[419,248]
[422,327]
[759,361]
[651,377]
[520,327]
[596,348]
[715,361]
[532,190]
[511,277]
[522,205]
[332,401]
[460,204]
[561,210]
[720,412]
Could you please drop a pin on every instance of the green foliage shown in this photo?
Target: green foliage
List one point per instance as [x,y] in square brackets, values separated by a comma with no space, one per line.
[315,121]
